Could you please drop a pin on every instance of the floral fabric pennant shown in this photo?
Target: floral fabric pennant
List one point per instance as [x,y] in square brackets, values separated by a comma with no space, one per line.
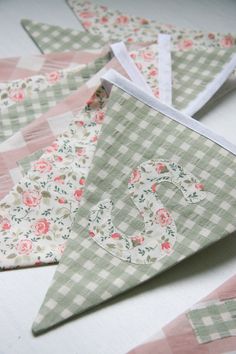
[209,327]
[37,215]
[129,227]
[116,26]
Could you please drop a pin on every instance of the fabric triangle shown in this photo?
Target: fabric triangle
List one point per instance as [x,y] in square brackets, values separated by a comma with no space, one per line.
[131,226]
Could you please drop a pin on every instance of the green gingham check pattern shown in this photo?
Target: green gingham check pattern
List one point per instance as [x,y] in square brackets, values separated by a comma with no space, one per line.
[20,114]
[133,133]
[50,38]
[25,164]
[193,70]
[214,320]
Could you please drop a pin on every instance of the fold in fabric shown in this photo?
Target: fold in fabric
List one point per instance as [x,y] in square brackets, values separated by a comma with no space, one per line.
[115,25]
[37,214]
[131,226]
[42,64]
[179,336]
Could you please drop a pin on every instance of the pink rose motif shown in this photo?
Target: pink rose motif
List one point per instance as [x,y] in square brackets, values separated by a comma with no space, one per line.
[87,14]
[87,24]
[227,41]
[91,234]
[116,236]
[99,117]
[59,158]
[53,77]
[133,55]
[59,180]
[62,200]
[166,246]
[62,247]
[148,55]
[78,194]
[94,139]
[156,93]
[24,247]
[163,217]
[144,21]
[82,181]
[135,176]
[80,123]
[153,72]
[41,227]
[31,198]
[122,20]
[137,240]
[103,19]
[199,186]
[42,166]
[80,151]
[5,224]
[154,187]
[130,39]
[17,95]
[52,147]
[186,44]
[139,66]
[211,36]
[161,168]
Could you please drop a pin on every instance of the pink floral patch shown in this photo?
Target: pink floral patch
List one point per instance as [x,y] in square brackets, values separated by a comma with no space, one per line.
[122,20]
[153,72]
[80,151]
[99,117]
[82,181]
[53,147]
[87,14]
[135,176]
[17,95]
[41,227]
[166,246]
[78,194]
[163,217]
[24,247]
[87,24]
[199,186]
[59,180]
[31,198]
[161,167]
[186,44]
[148,55]
[42,166]
[104,19]
[5,224]
[227,41]
[116,236]
[53,77]
[62,200]
[137,240]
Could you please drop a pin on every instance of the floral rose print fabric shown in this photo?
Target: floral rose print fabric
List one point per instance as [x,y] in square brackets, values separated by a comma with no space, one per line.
[17,90]
[37,215]
[115,25]
[159,235]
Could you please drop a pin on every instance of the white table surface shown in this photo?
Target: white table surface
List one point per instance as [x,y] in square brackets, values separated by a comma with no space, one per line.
[131,319]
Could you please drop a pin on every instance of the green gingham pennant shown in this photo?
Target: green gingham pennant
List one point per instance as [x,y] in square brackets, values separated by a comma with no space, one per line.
[131,226]
[51,38]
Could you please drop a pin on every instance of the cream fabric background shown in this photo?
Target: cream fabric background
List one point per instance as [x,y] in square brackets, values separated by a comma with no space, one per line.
[132,318]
